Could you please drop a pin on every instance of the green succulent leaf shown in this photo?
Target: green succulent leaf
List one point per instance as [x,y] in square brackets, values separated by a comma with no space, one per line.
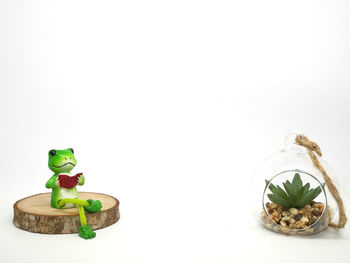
[267,182]
[297,183]
[302,191]
[278,191]
[310,195]
[293,198]
[278,200]
[295,195]
[289,187]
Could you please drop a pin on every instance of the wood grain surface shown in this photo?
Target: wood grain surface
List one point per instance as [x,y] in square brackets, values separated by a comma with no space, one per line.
[35,214]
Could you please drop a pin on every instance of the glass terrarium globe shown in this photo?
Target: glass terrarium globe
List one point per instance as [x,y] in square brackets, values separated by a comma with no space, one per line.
[276,173]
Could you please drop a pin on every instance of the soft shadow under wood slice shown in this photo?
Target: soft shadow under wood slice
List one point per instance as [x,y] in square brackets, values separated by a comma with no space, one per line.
[35,214]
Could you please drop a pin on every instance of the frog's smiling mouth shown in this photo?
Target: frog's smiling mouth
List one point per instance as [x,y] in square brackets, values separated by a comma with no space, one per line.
[67,163]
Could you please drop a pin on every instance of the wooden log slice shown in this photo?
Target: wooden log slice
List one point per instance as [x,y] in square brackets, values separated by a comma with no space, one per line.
[35,214]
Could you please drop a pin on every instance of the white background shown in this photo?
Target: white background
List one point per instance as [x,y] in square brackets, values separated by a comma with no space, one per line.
[169,106]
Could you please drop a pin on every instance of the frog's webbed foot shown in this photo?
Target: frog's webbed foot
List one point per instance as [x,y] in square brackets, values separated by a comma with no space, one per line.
[95,206]
[86,232]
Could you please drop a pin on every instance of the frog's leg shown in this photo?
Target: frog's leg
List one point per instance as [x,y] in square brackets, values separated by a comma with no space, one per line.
[91,206]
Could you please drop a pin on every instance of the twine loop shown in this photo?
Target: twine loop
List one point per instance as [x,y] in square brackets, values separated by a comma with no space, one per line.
[313,147]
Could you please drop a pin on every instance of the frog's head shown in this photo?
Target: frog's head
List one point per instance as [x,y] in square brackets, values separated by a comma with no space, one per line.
[62,161]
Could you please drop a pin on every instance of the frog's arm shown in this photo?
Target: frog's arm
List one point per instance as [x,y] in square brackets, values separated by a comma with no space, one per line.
[51,183]
[81,180]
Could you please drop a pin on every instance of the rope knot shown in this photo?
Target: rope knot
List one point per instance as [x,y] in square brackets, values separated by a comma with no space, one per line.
[304,141]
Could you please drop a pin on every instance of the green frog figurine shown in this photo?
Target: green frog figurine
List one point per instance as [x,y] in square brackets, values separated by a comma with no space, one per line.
[64,191]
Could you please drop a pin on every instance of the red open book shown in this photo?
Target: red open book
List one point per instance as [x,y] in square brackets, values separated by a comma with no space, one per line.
[67,181]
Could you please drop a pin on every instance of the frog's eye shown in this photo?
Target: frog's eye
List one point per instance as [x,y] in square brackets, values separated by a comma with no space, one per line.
[52,152]
[71,150]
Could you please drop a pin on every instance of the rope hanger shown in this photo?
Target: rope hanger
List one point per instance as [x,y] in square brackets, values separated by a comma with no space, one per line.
[313,148]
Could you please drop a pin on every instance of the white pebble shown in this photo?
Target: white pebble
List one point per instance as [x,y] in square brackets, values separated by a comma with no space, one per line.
[293,211]
[291,221]
[304,219]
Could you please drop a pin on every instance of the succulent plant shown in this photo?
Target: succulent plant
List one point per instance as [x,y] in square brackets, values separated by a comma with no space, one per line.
[295,195]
